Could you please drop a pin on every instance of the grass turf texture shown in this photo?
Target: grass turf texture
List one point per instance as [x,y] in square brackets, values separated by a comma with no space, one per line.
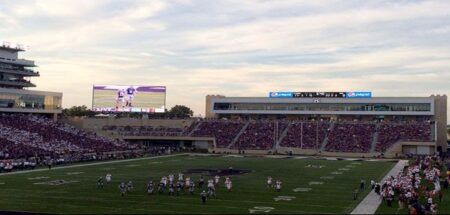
[19,193]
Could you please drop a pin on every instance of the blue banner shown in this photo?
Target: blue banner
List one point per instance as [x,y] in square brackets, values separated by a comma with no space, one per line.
[358,94]
[281,95]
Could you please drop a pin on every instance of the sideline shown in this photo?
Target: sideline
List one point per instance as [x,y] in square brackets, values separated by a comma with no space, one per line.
[89,164]
[372,201]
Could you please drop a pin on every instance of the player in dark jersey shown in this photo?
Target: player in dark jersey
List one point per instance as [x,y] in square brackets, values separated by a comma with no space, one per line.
[179,187]
[201,182]
[123,189]
[203,196]
[171,189]
[130,95]
[150,187]
[100,182]
[161,187]
[191,188]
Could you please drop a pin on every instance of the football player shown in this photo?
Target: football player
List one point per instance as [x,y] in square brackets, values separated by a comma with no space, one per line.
[192,188]
[269,182]
[130,186]
[123,189]
[278,185]
[201,182]
[211,189]
[150,187]
[108,177]
[100,182]
[216,180]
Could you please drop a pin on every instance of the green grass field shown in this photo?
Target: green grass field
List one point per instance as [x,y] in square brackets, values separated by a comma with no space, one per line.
[19,192]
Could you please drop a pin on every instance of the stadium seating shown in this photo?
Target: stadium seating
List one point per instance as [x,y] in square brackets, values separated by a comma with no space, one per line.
[390,133]
[306,135]
[350,137]
[223,130]
[26,135]
[259,135]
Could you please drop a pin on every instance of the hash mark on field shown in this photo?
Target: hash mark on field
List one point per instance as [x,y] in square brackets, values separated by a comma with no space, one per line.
[284,198]
[133,165]
[156,162]
[39,178]
[327,177]
[260,209]
[315,183]
[336,173]
[302,189]
[344,169]
[74,173]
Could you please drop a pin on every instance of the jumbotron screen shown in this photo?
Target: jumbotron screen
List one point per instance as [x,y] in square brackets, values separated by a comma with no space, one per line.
[129,98]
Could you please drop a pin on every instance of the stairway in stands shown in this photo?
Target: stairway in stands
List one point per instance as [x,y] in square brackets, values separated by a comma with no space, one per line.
[325,141]
[195,129]
[283,135]
[374,139]
[238,135]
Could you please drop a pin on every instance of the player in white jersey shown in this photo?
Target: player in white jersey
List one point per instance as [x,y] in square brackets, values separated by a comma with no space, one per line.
[130,186]
[120,100]
[108,177]
[228,184]
[171,177]
[211,189]
[180,176]
[164,180]
[217,180]
[269,182]
[278,185]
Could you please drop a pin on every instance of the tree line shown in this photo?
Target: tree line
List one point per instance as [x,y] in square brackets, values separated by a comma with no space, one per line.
[177,111]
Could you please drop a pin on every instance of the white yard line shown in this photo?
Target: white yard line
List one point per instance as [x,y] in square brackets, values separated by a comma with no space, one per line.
[370,204]
[88,164]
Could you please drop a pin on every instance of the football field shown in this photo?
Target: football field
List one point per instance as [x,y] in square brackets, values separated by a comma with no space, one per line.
[309,186]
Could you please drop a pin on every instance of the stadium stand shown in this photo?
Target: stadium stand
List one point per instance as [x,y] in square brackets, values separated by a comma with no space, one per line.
[29,135]
[390,133]
[306,135]
[223,130]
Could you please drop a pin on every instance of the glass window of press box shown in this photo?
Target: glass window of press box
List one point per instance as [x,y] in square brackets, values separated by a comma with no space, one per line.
[324,107]
[28,101]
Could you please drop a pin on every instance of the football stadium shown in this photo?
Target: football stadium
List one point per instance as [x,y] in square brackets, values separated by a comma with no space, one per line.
[282,153]
[224,107]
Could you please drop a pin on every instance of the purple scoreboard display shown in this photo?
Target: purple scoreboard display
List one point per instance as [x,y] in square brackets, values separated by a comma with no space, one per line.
[129,98]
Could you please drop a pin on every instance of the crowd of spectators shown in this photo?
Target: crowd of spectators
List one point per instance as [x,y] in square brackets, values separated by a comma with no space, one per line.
[259,135]
[418,188]
[34,139]
[390,133]
[223,131]
[350,137]
[306,135]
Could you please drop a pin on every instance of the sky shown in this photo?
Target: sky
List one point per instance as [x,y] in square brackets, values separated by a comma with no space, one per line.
[233,47]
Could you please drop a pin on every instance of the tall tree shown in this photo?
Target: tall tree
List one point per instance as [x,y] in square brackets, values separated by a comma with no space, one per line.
[78,111]
[181,111]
